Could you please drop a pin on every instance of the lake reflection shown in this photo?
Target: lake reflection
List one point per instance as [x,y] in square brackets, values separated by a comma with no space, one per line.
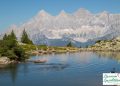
[111,55]
[70,69]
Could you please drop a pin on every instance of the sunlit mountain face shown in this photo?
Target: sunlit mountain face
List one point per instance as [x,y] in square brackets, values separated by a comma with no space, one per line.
[81,27]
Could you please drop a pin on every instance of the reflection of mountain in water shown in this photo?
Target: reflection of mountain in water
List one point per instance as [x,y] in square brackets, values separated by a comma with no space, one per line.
[111,55]
[52,66]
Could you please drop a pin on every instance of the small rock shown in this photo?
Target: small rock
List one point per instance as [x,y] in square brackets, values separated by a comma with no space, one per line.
[4,60]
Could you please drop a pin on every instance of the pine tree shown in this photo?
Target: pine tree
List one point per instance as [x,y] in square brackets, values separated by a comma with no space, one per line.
[69,44]
[10,48]
[13,35]
[25,38]
[5,37]
[11,40]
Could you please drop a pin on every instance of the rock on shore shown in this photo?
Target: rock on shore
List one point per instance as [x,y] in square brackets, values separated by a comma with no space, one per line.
[4,60]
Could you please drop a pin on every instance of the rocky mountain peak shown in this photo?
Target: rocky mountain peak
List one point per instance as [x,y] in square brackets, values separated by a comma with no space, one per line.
[42,13]
[82,12]
[80,26]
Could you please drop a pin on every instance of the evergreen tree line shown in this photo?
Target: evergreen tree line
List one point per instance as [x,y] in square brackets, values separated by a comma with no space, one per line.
[10,47]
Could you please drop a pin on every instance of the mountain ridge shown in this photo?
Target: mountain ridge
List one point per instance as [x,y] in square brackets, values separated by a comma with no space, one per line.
[80,26]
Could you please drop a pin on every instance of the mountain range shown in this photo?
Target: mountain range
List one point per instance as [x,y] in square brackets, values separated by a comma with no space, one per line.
[81,27]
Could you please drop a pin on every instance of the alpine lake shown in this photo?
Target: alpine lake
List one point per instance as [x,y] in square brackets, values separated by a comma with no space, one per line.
[66,69]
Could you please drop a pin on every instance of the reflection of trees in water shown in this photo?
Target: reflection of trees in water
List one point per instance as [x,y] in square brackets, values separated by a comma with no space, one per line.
[52,66]
[12,70]
[111,55]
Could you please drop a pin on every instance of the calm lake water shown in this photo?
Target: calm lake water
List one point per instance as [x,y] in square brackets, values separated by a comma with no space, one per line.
[70,69]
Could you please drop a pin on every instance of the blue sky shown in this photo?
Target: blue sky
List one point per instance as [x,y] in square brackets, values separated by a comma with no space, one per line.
[19,11]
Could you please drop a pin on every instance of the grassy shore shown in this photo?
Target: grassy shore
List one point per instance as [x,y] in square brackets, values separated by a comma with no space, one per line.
[105,45]
[43,49]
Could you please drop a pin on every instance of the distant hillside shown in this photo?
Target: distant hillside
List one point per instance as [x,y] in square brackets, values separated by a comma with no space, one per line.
[113,44]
